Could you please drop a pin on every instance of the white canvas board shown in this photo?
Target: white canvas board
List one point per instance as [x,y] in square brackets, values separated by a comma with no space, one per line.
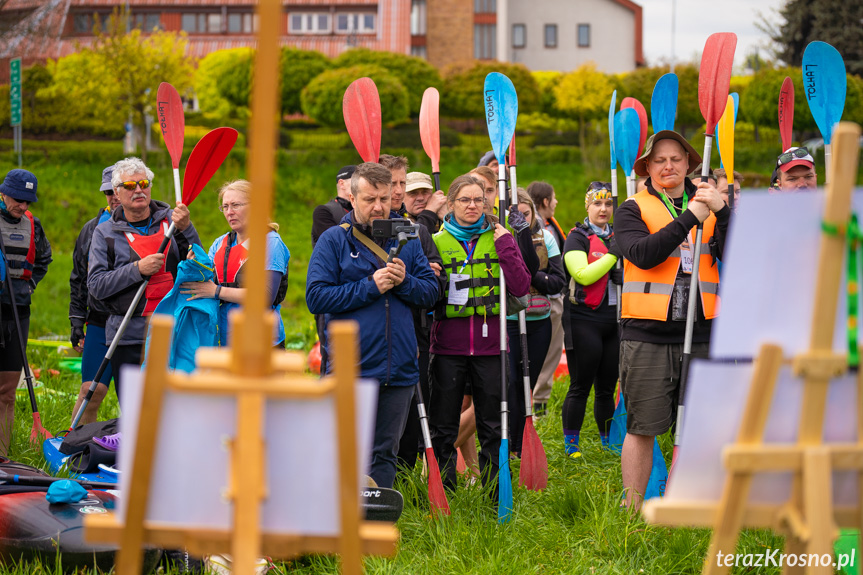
[768,275]
[192,462]
[715,398]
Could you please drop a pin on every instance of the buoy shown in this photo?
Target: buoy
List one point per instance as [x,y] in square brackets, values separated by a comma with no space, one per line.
[315,358]
[562,367]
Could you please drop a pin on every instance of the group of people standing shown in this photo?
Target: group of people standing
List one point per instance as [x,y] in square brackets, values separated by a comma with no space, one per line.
[612,291]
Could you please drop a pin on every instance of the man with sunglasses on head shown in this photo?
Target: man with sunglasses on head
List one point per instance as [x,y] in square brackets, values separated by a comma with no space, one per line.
[795,171]
[27,254]
[84,310]
[124,252]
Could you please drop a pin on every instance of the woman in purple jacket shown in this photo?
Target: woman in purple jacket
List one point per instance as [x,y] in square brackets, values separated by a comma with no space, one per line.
[464,336]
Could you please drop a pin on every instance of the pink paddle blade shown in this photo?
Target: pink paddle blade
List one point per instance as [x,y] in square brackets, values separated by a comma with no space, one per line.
[362,111]
[534,465]
[786,112]
[430,126]
[642,121]
[205,159]
[169,108]
[714,77]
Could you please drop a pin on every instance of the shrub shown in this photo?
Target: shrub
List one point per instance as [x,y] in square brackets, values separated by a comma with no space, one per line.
[222,83]
[463,84]
[414,73]
[322,98]
[296,69]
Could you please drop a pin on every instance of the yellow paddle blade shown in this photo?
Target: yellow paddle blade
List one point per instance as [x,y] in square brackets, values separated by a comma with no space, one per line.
[725,130]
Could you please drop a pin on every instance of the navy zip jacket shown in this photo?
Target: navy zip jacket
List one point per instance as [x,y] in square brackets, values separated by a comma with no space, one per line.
[339,284]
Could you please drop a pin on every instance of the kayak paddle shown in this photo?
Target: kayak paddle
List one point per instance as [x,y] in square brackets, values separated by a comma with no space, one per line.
[786,113]
[430,131]
[203,162]
[37,481]
[663,102]
[824,83]
[627,128]
[533,473]
[736,101]
[611,145]
[725,145]
[173,124]
[361,108]
[714,79]
[501,112]
[642,121]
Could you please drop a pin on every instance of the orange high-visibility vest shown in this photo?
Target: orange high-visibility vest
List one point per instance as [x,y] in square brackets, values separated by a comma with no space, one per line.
[647,293]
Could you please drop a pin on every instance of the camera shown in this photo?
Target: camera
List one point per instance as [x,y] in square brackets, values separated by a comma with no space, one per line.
[400,228]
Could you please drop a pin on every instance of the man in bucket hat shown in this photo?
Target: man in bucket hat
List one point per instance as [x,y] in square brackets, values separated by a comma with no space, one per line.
[795,171]
[655,231]
[27,253]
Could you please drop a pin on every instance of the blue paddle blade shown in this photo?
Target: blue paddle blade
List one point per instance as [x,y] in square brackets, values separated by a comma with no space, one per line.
[611,128]
[663,103]
[501,112]
[824,83]
[617,433]
[504,484]
[627,129]
[736,97]
[658,474]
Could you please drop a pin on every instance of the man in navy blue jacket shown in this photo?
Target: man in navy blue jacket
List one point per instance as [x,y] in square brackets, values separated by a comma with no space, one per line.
[347,280]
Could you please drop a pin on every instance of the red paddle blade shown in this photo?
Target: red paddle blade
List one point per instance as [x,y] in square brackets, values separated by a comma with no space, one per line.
[642,120]
[430,126]
[437,496]
[715,76]
[205,159]
[534,465]
[38,433]
[512,151]
[362,110]
[786,112]
[172,121]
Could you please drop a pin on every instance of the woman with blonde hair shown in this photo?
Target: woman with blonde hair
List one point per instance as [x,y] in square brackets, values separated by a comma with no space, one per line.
[230,251]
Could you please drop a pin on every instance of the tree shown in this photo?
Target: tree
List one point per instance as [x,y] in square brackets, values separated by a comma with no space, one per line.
[297,69]
[546,81]
[322,98]
[803,21]
[222,82]
[414,73]
[584,93]
[463,84]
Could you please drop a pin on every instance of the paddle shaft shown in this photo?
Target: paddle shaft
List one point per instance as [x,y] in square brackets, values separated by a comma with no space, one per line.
[178,194]
[120,331]
[828,154]
[618,264]
[731,192]
[504,405]
[522,319]
[436,176]
[22,346]
[46,481]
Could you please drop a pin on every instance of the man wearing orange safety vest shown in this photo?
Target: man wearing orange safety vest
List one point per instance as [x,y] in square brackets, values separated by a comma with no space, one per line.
[124,251]
[655,232]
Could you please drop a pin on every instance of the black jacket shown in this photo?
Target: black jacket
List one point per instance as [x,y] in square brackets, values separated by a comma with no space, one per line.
[328,215]
[82,309]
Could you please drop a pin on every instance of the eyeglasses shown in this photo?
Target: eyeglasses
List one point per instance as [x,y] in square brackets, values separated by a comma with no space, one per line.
[465,202]
[598,186]
[131,185]
[788,156]
[233,207]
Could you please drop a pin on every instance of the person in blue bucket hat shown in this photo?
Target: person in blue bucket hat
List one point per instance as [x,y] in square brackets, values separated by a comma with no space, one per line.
[26,254]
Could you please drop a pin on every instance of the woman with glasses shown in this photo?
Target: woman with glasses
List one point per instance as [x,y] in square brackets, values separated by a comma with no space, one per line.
[230,251]
[465,337]
[590,317]
[546,281]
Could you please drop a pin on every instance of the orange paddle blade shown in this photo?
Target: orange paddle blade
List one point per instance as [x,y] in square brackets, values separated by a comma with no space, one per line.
[437,496]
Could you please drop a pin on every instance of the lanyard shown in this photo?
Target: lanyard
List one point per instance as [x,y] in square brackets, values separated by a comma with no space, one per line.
[144,229]
[670,205]
[469,254]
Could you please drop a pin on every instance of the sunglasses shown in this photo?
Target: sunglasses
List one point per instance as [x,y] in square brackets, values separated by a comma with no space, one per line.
[594,186]
[788,156]
[131,185]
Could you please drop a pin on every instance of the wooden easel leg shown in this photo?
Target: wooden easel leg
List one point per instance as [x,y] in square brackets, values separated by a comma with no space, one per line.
[728,523]
[818,496]
[249,482]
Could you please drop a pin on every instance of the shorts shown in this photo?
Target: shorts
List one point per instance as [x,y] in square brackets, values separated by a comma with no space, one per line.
[650,381]
[10,350]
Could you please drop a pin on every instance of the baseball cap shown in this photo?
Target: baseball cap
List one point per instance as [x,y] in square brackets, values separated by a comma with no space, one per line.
[106,179]
[486,158]
[417,180]
[345,173]
[641,163]
[795,156]
[20,185]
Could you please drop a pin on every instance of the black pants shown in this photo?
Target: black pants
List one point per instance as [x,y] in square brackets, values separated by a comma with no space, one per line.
[538,340]
[125,355]
[447,377]
[411,444]
[592,362]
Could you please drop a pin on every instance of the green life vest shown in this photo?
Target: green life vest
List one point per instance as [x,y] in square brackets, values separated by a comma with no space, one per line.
[483,269]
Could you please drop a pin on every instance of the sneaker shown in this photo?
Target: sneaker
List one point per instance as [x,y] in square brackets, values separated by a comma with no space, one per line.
[110,442]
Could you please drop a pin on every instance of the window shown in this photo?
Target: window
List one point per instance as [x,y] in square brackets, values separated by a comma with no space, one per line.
[418,17]
[419,51]
[551,35]
[519,33]
[242,23]
[348,22]
[146,22]
[485,6]
[310,23]
[83,23]
[584,35]
[202,23]
[484,41]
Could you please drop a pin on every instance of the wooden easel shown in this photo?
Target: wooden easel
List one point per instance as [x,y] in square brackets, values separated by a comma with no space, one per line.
[252,371]
[809,518]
